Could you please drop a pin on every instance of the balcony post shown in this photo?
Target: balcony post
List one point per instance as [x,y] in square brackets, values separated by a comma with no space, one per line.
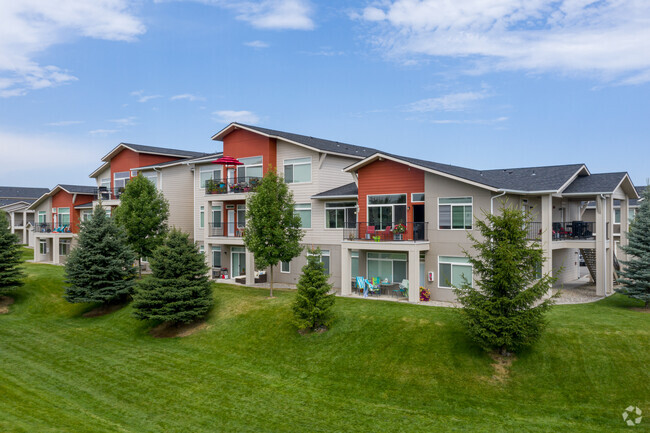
[414,274]
[12,217]
[55,250]
[250,268]
[601,245]
[546,214]
[625,226]
[611,244]
[346,270]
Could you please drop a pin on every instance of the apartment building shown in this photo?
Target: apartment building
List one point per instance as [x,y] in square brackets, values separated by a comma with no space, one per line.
[380,215]
[15,200]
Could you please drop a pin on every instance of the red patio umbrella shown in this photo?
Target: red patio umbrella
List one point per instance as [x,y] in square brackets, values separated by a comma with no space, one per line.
[227,161]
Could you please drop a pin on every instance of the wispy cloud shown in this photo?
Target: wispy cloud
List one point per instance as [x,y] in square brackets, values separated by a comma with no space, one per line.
[607,39]
[450,102]
[102,131]
[65,123]
[227,116]
[467,121]
[142,97]
[271,14]
[257,44]
[124,122]
[187,97]
[324,51]
[30,27]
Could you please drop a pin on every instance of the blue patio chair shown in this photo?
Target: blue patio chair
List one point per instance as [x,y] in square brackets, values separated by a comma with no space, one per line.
[361,286]
[402,289]
[372,288]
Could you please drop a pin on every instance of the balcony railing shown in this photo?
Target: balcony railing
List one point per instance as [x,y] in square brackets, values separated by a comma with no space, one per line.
[52,228]
[240,184]
[229,230]
[104,193]
[575,230]
[393,231]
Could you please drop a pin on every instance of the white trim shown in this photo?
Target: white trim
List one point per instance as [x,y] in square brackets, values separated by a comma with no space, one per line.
[452,264]
[418,201]
[451,215]
[285,272]
[332,197]
[311,170]
[572,178]
[325,208]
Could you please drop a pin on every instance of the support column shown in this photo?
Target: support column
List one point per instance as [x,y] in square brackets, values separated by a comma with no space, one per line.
[346,270]
[250,268]
[25,241]
[546,214]
[55,250]
[12,220]
[609,289]
[601,246]
[414,275]
[625,226]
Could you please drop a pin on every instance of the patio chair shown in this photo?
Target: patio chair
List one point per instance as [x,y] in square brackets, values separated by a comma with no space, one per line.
[361,286]
[402,289]
[371,288]
[386,233]
[370,232]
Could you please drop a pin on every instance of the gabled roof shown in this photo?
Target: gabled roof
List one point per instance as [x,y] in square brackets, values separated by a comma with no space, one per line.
[313,143]
[601,183]
[207,158]
[71,189]
[13,204]
[20,192]
[346,191]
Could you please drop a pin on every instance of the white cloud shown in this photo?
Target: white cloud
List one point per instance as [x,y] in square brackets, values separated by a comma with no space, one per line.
[608,38]
[29,27]
[468,121]
[451,102]
[271,14]
[227,116]
[102,131]
[126,121]
[257,44]
[65,123]
[188,97]
[142,97]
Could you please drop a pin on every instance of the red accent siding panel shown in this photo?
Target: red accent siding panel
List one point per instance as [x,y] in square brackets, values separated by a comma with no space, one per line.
[64,199]
[128,159]
[242,144]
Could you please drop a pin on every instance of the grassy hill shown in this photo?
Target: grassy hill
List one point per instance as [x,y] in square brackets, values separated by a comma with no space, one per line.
[383,367]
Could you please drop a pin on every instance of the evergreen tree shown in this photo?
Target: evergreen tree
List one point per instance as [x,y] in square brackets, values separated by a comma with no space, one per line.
[312,305]
[505,310]
[143,213]
[100,268]
[273,231]
[11,275]
[636,272]
[179,290]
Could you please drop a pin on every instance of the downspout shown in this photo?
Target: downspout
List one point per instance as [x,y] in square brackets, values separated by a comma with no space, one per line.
[492,201]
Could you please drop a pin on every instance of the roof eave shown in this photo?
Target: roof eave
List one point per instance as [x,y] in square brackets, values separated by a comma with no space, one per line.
[331,197]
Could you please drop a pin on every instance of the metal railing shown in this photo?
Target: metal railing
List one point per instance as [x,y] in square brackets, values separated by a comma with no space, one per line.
[393,231]
[104,193]
[240,184]
[52,228]
[229,230]
[575,230]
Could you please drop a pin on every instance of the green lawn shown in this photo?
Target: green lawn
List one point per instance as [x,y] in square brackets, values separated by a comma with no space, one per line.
[384,366]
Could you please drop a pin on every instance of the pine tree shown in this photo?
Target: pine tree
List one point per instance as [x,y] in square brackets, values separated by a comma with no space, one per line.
[100,268]
[505,310]
[273,231]
[312,307]
[143,212]
[11,275]
[179,290]
[636,272]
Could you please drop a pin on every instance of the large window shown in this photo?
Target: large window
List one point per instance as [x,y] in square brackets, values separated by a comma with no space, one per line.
[151,176]
[386,210]
[209,173]
[388,267]
[252,168]
[304,212]
[455,213]
[216,220]
[340,215]
[241,215]
[64,216]
[41,217]
[216,257]
[354,263]
[64,247]
[86,215]
[297,170]
[120,179]
[451,271]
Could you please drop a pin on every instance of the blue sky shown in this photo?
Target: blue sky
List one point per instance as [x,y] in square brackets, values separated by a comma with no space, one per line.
[475,83]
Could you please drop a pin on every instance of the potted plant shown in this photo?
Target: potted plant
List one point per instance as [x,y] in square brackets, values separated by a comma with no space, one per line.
[376,238]
[398,231]
[425,294]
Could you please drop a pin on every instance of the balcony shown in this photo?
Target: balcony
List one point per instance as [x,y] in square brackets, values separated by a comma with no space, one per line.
[575,230]
[103,193]
[229,230]
[241,184]
[393,232]
[52,228]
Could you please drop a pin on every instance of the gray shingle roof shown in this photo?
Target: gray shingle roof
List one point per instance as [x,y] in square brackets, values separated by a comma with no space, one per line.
[207,156]
[639,190]
[79,189]
[595,183]
[348,190]
[317,143]
[20,192]
[165,150]
[6,201]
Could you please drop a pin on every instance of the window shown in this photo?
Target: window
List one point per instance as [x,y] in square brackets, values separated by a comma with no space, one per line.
[340,215]
[216,219]
[252,168]
[42,246]
[209,173]
[324,259]
[617,216]
[151,176]
[417,197]
[631,213]
[389,267]
[241,215]
[451,271]
[202,216]
[285,267]
[216,257]
[86,215]
[64,247]
[41,217]
[297,170]
[455,213]
[64,216]
[304,212]
[201,249]
[386,210]
[120,179]
[105,182]
[108,213]
[354,263]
